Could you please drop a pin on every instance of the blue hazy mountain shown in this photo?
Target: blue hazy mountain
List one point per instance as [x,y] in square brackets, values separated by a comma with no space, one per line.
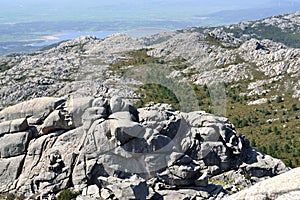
[107,10]
[25,24]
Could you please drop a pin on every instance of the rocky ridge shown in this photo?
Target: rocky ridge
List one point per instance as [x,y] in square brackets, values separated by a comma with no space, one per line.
[85,65]
[106,148]
[72,66]
[57,111]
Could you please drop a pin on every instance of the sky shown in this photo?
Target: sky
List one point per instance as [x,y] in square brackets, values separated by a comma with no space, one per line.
[110,10]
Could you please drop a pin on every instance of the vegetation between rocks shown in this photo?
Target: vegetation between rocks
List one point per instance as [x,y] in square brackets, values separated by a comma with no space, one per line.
[67,194]
[271,127]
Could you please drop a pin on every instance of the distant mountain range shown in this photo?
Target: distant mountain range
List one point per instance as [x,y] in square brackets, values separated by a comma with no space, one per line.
[26,26]
[234,16]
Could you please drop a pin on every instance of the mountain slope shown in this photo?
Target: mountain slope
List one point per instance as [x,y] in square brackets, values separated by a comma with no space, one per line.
[236,71]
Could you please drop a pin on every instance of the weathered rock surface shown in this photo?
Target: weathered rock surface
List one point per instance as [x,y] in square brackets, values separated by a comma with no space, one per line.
[10,169]
[284,186]
[12,126]
[109,149]
[14,144]
[36,109]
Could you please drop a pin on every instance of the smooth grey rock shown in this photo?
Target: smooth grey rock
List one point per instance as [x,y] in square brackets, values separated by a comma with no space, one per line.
[106,193]
[55,121]
[92,191]
[181,194]
[233,178]
[208,134]
[9,171]
[181,175]
[38,108]
[160,143]
[123,128]
[4,127]
[176,156]
[76,107]
[98,138]
[261,165]
[209,192]
[92,114]
[118,104]
[149,114]
[156,162]
[14,144]
[133,188]
[12,126]
[18,125]
[100,102]
[283,186]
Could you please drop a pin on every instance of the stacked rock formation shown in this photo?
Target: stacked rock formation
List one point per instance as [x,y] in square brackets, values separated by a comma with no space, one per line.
[106,148]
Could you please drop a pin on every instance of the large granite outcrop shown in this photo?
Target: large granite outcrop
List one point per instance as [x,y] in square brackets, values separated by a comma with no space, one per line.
[109,149]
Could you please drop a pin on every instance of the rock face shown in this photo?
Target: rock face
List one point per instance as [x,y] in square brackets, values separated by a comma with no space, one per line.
[284,186]
[107,148]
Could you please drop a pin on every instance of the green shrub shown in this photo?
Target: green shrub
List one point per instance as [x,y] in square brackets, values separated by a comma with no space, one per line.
[247,176]
[253,143]
[294,107]
[4,67]
[279,99]
[276,131]
[159,94]
[67,194]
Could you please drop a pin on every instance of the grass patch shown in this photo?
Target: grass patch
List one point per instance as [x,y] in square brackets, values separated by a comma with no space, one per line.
[135,58]
[218,182]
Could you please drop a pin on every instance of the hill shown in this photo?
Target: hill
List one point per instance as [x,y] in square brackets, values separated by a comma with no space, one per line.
[248,72]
